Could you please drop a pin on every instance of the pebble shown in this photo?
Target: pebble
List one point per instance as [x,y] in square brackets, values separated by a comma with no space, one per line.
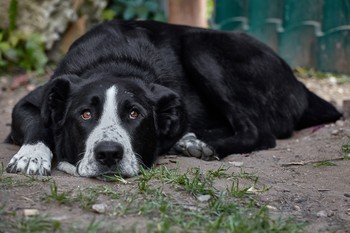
[99,208]
[192,208]
[4,82]
[321,214]
[30,212]
[30,87]
[270,207]
[252,190]
[204,198]
[340,123]
[335,132]
[236,164]
[332,80]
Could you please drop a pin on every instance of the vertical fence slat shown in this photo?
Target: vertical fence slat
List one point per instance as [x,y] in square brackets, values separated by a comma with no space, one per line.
[311,33]
[334,45]
[298,42]
[231,15]
[265,20]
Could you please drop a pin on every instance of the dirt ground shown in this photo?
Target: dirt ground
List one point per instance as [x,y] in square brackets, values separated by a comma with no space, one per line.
[318,195]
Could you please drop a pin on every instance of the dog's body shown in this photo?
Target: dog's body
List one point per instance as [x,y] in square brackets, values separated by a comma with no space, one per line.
[127,92]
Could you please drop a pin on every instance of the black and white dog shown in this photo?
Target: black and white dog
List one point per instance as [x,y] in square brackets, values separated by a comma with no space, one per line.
[127,92]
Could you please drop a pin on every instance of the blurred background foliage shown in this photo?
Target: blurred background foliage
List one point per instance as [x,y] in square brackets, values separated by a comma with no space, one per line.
[19,50]
[35,33]
[135,9]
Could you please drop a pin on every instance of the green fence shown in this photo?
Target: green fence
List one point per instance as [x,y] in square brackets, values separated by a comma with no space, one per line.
[309,33]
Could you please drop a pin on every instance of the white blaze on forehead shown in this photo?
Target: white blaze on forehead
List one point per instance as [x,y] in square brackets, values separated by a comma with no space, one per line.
[109,115]
[109,128]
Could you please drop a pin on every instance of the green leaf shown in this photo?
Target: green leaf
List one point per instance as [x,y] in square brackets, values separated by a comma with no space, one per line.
[31,45]
[151,6]
[12,14]
[3,63]
[14,39]
[142,12]
[129,13]
[159,17]
[11,55]
[4,46]
[108,15]
[118,9]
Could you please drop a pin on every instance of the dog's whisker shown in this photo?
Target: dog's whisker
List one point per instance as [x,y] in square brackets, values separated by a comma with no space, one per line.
[139,160]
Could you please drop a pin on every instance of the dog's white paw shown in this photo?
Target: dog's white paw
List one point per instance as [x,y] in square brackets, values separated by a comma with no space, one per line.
[32,160]
[189,145]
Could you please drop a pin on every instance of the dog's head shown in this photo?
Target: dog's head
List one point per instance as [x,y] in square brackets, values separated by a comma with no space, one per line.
[110,125]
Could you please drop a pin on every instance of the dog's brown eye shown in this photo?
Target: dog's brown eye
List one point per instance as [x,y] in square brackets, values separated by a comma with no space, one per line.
[86,115]
[134,114]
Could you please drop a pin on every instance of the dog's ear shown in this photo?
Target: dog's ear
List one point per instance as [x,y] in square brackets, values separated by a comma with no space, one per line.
[55,103]
[170,114]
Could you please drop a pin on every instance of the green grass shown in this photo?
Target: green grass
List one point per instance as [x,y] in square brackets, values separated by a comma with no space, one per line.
[85,197]
[8,182]
[231,210]
[115,178]
[345,149]
[194,181]
[36,224]
[10,223]
[303,72]
[168,201]
[59,197]
[324,163]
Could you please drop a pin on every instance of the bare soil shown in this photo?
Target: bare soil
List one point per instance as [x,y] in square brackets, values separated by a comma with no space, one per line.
[317,195]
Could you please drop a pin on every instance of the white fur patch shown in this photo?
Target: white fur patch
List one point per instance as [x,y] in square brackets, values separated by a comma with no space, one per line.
[32,160]
[67,168]
[109,128]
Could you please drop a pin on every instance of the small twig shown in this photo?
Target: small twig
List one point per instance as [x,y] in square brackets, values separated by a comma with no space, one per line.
[323,190]
[302,163]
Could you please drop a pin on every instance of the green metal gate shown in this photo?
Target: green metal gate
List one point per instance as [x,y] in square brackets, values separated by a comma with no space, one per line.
[309,33]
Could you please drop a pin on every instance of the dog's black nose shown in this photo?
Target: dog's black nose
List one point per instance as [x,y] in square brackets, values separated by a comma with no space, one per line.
[109,153]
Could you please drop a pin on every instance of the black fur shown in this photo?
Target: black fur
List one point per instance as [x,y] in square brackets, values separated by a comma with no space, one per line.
[231,90]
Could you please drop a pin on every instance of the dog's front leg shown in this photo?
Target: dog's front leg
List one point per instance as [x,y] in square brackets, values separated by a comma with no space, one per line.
[28,130]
